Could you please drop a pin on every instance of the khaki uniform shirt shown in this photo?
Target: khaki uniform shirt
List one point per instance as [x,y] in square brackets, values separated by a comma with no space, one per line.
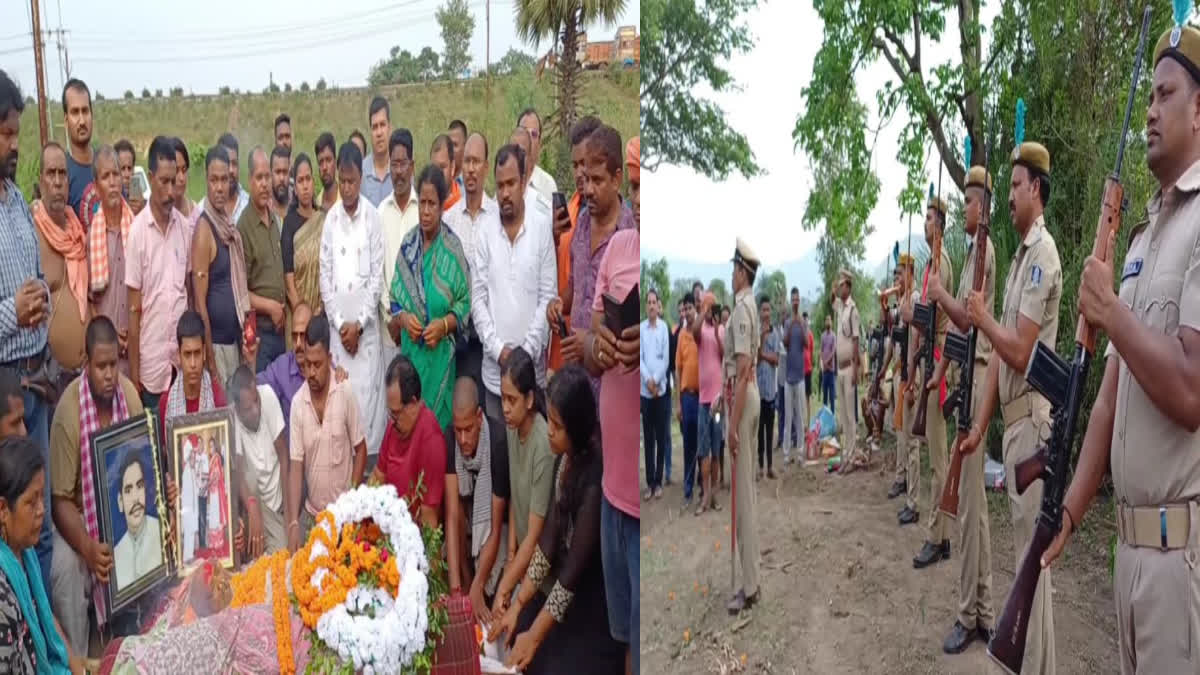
[1033,289]
[983,346]
[743,335]
[946,273]
[849,328]
[1154,460]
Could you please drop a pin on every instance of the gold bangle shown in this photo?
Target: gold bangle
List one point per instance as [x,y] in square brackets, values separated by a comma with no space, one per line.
[445,325]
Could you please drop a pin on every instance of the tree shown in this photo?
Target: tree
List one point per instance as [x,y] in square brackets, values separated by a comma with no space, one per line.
[99,96]
[717,288]
[686,47]
[273,88]
[287,87]
[427,65]
[145,92]
[774,286]
[560,21]
[128,94]
[321,84]
[515,61]
[304,86]
[457,24]
[176,91]
[225,91]
[158,93]
[655,276]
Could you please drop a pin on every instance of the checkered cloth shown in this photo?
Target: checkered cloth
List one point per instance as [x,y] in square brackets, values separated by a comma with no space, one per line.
[20,261]
[89,424]
[98,246]
[458,654]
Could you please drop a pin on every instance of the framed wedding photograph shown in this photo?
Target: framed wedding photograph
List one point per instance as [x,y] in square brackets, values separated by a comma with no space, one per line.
[200,448]
[130,502]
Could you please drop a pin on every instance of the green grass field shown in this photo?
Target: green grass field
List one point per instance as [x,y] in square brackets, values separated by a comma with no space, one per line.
[425,109]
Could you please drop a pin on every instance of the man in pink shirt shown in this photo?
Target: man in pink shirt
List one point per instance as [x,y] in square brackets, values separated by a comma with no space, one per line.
[709,335]
[156,260]
[616,358]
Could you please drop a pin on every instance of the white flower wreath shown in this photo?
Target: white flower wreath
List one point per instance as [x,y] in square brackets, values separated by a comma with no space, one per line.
[390,640]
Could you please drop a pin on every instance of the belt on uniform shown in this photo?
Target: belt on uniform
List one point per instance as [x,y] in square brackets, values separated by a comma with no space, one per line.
[1017,409]
[1163,527]
[847,364]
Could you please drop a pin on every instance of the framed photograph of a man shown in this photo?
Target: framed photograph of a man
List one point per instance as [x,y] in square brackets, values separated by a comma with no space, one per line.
[131,505]
[201,451]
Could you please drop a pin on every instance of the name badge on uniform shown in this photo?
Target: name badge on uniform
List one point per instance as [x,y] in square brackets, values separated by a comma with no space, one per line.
[1035,276]
[1132,269]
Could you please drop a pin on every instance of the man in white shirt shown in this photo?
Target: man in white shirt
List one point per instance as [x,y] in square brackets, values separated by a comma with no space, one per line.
[513,279]
[263,456]
[535,204]
[351,283]
[398,213]
[139,551]
[537,176]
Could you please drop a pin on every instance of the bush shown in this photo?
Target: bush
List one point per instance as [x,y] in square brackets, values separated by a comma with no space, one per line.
[225,91]
[145,93]
[99,96]
[273,88]
[321,84]
[158,93]
[304,86]
[177,91]
[128,94]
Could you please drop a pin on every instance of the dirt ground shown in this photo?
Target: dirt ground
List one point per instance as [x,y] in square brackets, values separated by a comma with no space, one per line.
[840,594]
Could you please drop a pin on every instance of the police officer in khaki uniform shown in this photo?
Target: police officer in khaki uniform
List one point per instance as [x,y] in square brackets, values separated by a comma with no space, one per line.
[1031,297]
[1144,421]
[975,614]
[898,362]
[847,336]
[742,340]
[937,540]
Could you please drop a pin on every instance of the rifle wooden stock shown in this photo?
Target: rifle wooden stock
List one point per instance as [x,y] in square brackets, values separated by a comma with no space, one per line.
[927,348]
[1030,469]
[1008,644]
[949,503]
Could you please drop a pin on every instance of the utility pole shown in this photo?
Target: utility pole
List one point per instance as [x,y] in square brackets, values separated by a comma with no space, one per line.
[41,72]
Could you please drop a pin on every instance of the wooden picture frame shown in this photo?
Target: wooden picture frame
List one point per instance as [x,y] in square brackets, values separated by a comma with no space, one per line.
[201,451]
[139,564]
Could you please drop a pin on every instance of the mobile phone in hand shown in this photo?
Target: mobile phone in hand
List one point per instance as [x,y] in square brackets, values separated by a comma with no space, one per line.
[560,201]
[250,333]
[563,329]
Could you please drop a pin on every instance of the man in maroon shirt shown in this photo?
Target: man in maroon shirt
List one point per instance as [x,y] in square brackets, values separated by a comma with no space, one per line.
[414,446]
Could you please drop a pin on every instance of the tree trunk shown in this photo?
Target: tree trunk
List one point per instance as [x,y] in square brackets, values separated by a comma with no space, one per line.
[568,82]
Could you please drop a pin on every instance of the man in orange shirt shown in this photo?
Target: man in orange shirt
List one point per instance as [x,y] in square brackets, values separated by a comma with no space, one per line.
[564,227]
[687,375]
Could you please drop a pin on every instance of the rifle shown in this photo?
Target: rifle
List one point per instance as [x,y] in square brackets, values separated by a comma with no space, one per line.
[961,350]
[900,337]
[925,314]
[1063,386]
[874,405]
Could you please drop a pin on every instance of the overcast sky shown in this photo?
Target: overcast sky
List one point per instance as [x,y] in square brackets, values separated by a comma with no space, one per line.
[694,218]
[206,44]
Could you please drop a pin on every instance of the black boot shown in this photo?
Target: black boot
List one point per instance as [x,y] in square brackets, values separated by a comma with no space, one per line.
[898,488]
[930,554]
[945,549]
[908,516]
[958,639]
[985,633]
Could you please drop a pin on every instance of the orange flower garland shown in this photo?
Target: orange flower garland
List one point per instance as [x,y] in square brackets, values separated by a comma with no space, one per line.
[283,623]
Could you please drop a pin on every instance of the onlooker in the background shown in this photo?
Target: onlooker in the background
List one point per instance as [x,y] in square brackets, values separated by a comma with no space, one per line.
[220,291]
[351,283]
[156,274]
[538,178]
[262,452]
[781,381]
[709,335]
[535,203]
[64,262]
[458,133]
[431,289]
[306,242]
[360,141]
[325,151]
[767,365]
[795,401]
[261,233]
[828,367]
[77,114]
[302,217]
[281,169]
[183,163]
[687,379]
[473,212]
[655,397]
[107,239]
[327,448]
[376,171]
[444,154]
[808,368]
[414,444]
[512,280]
[125,160]
[398,214]
[564,230]
[283,131]
[239,198]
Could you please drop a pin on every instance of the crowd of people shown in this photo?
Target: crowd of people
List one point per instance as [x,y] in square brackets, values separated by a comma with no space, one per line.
[368,319]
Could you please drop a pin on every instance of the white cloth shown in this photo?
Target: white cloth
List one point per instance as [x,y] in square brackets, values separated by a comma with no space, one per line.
[352,250]
[538,205]
[137,555]
[460,222]
[396,223]
[188,491]
[257,448]
[543,183]
[512,282]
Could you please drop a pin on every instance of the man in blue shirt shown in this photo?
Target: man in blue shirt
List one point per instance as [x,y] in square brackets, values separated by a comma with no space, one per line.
[656,403]
[376,167]
[77,117]
[795,335]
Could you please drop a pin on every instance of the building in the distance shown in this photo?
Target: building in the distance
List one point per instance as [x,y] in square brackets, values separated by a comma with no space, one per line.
[625,49]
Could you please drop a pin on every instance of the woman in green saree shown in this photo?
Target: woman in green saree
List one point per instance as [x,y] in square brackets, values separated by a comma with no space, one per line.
[302,241]
[431,296]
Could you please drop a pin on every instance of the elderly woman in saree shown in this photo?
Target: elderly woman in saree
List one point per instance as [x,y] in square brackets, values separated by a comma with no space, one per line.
[431,296]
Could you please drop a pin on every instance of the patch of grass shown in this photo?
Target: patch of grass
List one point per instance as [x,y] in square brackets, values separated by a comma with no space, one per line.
[424,109]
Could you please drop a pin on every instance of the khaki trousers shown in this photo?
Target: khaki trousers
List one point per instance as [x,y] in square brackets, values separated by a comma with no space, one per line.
[1158,606]
[747,499]
[228,357]
[845,411]
[1020,441]
[935,440]
[974,534]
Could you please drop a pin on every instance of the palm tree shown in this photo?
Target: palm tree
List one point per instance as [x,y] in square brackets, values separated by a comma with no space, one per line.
[562,21]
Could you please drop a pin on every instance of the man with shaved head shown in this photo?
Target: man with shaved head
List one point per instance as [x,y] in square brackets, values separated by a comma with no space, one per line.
[260,227]
[477,472]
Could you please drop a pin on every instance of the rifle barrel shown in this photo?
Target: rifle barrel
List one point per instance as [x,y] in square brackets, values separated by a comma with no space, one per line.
[1137,72]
